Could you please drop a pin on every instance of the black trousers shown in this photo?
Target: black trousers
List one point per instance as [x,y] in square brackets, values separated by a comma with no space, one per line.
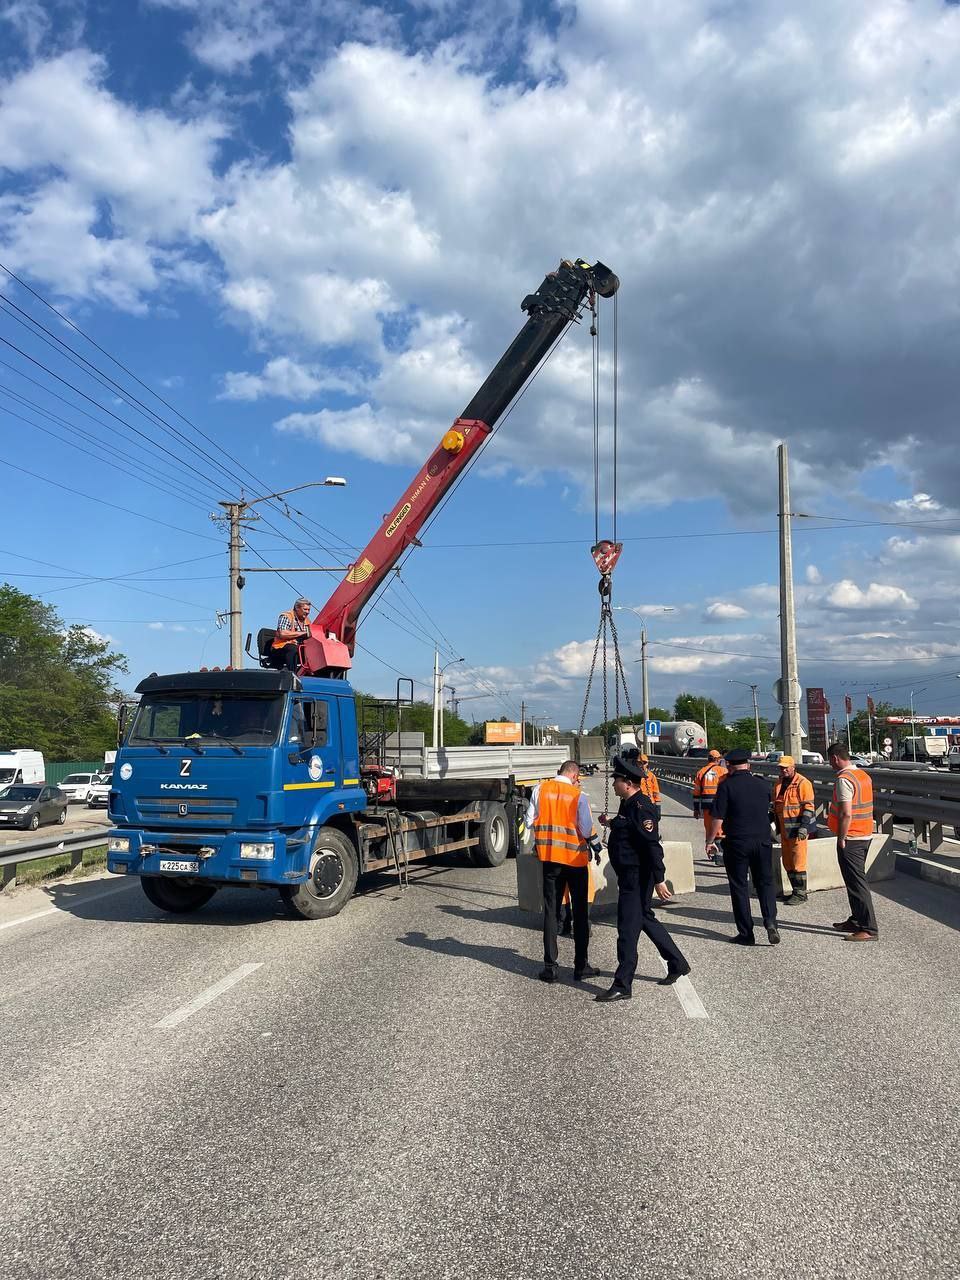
[635,916]
[556,876]
[853,861]
[287,658]
[740,856]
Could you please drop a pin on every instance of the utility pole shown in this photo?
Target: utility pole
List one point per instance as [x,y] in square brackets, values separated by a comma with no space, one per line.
[235,513]
[523,722]
[234,510]
[756,718]
[789,681]
[436,698]
[645,687]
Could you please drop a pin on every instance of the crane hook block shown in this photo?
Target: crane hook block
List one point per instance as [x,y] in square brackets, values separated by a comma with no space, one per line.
[605,556]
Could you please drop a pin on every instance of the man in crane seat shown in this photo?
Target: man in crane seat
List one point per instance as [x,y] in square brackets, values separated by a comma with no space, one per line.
[293,627]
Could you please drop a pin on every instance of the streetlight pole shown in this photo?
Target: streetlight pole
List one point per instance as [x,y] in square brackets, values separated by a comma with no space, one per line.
[438,696]
[234,515]
[913,729]
[644,684]
[756,710]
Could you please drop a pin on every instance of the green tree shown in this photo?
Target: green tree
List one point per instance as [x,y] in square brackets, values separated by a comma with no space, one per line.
[414,718]
[694,706]
[859,734]
[57,685]
[743,733]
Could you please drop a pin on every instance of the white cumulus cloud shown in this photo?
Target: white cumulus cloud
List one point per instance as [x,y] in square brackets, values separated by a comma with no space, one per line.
[846,595]
[723,611]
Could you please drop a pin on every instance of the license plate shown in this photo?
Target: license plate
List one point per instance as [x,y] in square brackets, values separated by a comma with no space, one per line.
[171,864]
[4,817]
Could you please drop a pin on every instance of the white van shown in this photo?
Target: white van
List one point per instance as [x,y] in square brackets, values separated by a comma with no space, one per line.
[811,757]
[23,767]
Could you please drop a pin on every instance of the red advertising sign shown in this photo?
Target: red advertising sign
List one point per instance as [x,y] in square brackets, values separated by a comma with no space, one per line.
[848,704]
[817,709]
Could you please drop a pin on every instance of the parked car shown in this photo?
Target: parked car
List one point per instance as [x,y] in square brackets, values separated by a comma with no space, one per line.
[27,807]
[99,796]
[76,786]
[953,759]
[811,757]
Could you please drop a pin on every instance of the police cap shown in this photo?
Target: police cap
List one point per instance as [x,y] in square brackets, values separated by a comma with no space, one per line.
[739,755]
[628,767]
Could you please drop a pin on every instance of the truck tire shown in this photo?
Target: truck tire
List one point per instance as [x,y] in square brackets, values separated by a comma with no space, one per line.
[493,830]
[176,896]
[334,868]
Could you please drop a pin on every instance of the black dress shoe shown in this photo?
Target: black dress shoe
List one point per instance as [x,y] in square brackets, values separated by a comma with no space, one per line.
[672,976]
[566,930]
[773,935]
[846,926]
[547,975]
[588,971]
[742,940]
[615,993]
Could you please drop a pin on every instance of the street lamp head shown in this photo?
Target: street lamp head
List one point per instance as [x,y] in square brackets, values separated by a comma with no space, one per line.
[335,480]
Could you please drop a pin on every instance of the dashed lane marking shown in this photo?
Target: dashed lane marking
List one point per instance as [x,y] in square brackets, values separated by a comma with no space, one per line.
[204,998]
[690,1002]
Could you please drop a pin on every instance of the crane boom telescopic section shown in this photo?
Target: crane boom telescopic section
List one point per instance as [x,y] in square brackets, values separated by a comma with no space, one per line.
[329,649]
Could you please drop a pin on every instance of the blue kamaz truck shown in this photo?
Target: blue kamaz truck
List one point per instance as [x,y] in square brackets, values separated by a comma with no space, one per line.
[261,777]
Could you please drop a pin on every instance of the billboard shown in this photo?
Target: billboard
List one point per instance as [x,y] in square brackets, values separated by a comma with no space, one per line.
[817,710]
[501,732]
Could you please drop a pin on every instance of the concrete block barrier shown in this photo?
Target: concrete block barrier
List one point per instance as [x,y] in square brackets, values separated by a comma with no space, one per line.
[823,870]
[678,860]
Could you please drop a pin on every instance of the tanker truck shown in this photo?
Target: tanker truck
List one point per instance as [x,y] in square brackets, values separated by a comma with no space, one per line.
[679,738]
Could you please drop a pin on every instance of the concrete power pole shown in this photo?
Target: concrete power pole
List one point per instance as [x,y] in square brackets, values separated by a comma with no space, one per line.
[644,684]
[436,698]
[789,681]
[756,717]
[523,723]
[234,510]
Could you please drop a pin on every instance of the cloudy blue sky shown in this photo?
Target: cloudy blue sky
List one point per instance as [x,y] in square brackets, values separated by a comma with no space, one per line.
[308,228]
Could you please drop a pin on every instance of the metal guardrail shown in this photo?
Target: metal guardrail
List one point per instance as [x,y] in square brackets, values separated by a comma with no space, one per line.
[928,798]
[73,845]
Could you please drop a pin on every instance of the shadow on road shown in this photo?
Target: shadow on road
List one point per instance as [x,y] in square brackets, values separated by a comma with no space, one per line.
[107,900]
[506,958]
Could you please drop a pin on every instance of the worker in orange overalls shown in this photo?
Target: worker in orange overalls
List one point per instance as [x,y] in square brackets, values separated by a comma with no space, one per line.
[650,786]
[705,790]
[559,816]
[794,811]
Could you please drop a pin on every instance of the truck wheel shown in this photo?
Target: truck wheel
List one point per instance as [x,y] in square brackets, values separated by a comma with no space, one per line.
[493,830]
[334,868]
[176,896]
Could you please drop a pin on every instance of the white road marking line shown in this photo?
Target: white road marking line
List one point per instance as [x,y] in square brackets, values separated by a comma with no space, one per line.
[63,911]
[187,1010]
[690,1002]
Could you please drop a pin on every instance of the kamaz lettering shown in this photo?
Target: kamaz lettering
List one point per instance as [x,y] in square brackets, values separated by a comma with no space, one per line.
[184,786]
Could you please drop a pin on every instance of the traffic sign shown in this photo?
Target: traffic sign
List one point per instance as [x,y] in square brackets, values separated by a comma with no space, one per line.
[652,729]
[778,687]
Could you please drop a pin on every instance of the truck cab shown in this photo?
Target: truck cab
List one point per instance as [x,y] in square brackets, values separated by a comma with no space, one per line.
[227,777]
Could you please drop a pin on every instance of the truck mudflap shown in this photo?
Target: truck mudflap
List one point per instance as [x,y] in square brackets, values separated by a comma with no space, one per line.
[238,857]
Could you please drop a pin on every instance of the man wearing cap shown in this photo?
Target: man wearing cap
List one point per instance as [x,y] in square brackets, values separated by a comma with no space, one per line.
[705,785]
[292,628]
[636,855]
[794,810]
[649,784]
[742,808]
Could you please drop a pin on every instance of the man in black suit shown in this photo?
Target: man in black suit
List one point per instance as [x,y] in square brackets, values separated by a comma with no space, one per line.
[636,855]
[742,808]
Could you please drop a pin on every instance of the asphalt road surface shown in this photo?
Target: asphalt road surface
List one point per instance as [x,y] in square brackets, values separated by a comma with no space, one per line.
[392,1093]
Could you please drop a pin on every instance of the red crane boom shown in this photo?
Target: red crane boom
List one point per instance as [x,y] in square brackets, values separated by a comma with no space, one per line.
[558,301]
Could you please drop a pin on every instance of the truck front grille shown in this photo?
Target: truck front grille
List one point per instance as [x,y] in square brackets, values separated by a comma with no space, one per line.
[171,812]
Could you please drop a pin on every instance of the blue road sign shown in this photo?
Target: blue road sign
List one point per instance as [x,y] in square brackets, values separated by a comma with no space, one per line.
[653,728]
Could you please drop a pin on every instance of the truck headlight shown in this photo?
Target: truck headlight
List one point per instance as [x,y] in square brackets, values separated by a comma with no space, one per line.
[118,844]
[257,851]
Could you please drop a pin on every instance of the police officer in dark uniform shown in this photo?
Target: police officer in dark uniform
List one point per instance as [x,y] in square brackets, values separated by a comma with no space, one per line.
[742,807]
[636,855]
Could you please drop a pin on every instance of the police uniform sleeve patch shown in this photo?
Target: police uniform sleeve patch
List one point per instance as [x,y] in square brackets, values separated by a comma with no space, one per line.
[648,824]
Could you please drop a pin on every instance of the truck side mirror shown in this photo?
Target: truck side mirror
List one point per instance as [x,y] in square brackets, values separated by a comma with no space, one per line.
[121,723]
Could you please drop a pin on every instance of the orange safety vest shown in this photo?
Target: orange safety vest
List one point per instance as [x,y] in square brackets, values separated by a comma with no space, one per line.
[861,807]
[555,825]
[650,786]
[288,621]
[706,782]
[790,801]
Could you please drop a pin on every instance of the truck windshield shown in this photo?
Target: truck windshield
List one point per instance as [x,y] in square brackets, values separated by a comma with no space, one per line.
[7,775]
[172,717]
